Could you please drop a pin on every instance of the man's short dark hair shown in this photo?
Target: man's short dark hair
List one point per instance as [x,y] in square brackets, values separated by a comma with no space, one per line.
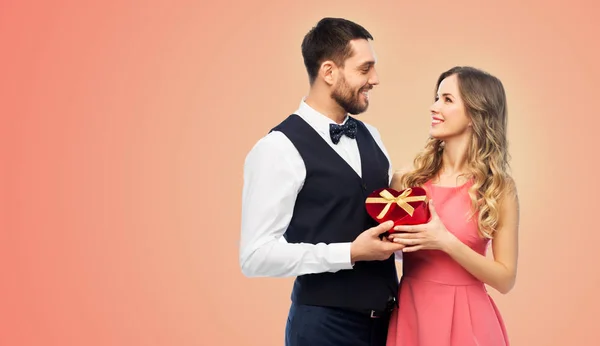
[330,40]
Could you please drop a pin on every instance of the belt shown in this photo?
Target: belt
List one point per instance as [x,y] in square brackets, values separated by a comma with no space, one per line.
[380,313]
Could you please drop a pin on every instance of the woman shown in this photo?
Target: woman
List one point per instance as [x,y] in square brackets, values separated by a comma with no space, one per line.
[473,201]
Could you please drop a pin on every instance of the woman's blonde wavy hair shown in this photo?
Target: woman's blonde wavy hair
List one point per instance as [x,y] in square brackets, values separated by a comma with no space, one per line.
[485,104]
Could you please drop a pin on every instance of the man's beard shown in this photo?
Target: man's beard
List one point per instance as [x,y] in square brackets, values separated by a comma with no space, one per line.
[348,99]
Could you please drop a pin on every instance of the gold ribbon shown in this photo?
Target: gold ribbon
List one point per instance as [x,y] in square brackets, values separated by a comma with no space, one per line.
[402,201]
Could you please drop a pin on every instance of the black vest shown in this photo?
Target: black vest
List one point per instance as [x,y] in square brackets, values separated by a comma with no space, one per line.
[330,208]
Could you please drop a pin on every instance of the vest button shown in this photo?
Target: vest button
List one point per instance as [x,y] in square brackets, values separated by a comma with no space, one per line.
[364,186]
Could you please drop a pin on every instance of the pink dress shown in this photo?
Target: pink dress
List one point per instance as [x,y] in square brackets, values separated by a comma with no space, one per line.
[440,303]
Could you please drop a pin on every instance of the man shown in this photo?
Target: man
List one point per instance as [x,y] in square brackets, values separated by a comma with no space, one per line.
[305,185]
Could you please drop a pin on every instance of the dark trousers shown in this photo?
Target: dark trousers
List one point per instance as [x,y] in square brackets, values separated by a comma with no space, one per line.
[323,326]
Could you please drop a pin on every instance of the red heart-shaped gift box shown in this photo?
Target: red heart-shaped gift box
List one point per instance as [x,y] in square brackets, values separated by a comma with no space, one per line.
[406,207]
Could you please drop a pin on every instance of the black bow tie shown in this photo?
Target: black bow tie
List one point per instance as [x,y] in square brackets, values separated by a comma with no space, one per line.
[337,131]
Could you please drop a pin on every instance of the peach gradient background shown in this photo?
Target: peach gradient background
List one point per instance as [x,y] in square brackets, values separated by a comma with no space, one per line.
[124,127]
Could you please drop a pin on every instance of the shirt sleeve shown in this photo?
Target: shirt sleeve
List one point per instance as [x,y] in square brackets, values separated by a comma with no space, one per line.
[273,176]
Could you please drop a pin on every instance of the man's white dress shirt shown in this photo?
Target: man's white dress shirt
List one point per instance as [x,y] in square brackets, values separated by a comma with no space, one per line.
[274,173]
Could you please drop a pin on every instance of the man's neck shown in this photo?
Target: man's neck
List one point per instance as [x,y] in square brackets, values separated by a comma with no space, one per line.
[324,104]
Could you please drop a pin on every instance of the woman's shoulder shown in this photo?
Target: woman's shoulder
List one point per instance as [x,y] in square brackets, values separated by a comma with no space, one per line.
[510,185]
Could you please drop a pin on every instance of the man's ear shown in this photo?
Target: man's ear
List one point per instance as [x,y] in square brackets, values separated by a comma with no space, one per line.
[329,72]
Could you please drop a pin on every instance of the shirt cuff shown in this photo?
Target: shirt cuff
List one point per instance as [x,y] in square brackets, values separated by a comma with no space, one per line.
[398,255]
[339,256]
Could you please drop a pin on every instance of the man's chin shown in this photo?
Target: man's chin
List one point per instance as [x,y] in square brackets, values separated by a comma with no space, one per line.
[361,110]
[355,108]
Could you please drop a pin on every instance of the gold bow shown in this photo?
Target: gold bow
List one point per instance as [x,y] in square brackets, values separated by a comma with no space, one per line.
[402,201]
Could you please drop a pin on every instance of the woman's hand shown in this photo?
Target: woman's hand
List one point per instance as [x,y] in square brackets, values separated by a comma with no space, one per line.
[429,236]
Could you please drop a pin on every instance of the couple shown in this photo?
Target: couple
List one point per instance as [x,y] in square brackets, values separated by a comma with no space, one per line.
[304,215]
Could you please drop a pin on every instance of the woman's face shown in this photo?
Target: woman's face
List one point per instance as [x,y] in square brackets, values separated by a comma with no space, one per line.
[448,115]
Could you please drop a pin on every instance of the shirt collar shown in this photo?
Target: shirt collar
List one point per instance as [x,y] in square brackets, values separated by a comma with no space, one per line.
[317,120]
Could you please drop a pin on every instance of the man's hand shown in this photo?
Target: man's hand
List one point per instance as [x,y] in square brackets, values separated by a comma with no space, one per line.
[368,246]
